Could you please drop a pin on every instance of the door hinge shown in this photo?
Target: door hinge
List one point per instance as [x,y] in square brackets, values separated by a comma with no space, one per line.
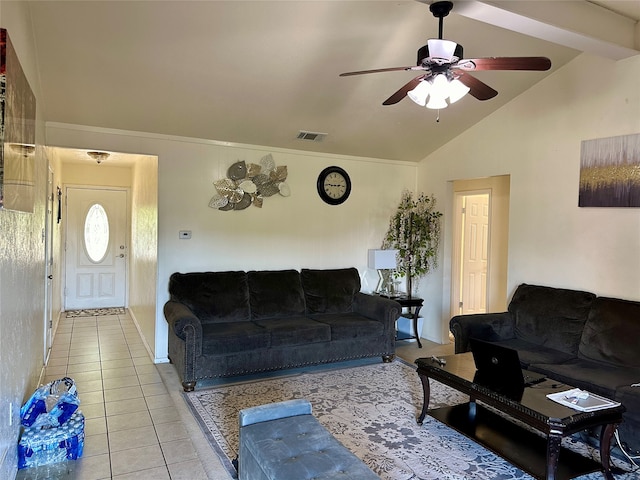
[460,304]
[464,210]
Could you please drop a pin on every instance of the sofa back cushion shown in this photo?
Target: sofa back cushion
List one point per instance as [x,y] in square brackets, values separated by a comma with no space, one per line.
[611,333]
[214,297]
[551,317]
[330,291]
[275,294]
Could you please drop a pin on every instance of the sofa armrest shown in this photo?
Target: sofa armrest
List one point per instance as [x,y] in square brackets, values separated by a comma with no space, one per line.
[184,324]
[378,308]
[485,326]
[274,411]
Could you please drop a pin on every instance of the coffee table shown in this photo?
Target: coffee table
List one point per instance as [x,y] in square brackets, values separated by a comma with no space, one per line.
[499,422]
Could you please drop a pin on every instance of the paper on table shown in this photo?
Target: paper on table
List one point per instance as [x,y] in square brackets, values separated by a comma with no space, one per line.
[582,400]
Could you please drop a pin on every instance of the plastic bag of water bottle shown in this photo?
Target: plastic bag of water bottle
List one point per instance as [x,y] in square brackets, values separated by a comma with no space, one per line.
[51,405]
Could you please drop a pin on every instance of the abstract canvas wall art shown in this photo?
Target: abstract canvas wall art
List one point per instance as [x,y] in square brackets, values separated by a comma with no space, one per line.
[17,132]
[610,172]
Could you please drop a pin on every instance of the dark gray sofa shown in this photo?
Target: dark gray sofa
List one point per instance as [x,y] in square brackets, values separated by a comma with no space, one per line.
[571,336]
[232,323]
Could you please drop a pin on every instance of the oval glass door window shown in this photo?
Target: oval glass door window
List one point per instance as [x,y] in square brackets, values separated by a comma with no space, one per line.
[96,233]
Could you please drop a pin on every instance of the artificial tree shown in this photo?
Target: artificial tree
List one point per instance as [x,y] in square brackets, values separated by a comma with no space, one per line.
[414,230]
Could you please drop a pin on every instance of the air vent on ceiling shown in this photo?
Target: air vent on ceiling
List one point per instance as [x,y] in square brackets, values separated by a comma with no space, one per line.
[311,136]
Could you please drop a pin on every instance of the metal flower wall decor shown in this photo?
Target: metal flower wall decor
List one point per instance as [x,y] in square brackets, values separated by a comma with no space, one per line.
[248,184]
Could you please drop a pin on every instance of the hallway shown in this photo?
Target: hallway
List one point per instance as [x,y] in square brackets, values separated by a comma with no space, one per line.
[136,426]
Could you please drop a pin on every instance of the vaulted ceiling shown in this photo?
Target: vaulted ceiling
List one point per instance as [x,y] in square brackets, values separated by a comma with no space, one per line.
[258,72]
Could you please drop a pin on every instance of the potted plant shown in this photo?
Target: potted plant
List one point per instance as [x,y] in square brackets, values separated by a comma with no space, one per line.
[414,230]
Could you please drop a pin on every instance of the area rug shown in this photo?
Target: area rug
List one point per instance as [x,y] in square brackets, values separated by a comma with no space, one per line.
[95,312]
[372,410]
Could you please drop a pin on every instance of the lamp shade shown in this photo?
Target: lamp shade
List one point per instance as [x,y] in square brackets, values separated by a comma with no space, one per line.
[457,90]
[442,49]
[382,259]
[420,93]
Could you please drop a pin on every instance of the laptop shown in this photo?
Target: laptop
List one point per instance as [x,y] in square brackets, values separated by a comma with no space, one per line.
[498,367]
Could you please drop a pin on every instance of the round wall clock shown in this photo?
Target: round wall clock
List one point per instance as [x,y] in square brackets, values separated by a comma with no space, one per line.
[334,185]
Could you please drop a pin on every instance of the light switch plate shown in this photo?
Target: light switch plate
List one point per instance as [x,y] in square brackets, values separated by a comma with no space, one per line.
[184,234]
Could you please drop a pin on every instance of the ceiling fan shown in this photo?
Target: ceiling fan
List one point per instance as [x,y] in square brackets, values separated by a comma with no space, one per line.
[445,73]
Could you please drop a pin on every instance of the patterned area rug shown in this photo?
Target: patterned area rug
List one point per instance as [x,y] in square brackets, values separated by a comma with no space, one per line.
[95,312]
[372,410]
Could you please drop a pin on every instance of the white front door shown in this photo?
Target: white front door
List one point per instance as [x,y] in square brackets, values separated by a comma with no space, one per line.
[96,248]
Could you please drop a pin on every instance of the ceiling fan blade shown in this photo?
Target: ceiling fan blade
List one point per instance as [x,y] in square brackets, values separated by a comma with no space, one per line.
[504,63]
[378,70]
[478,89]
[400,94]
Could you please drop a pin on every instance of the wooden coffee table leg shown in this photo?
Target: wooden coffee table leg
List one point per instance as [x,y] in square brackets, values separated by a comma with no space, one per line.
[605,449]
[426,389]
[554,441]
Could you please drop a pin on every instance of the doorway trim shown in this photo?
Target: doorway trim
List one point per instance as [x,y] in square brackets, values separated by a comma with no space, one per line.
[497,268]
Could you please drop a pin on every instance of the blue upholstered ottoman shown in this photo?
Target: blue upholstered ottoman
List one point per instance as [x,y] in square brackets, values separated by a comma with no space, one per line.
[283,441]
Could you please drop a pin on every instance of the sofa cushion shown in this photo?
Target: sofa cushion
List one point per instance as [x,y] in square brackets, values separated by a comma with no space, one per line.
[611,333]
[595,377]
[275,294]
[232,337]
[552,317]
[212,296]
[330,291]
[295,331]
[351,325]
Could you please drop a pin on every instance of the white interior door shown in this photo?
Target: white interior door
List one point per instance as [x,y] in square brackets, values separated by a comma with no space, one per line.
[96,248]
[471,253]
[475,254]
[48,310]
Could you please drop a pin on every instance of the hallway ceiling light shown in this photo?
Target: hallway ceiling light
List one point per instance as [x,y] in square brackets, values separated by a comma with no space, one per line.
[99,157]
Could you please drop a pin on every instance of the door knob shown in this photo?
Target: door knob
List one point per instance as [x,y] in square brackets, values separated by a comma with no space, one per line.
[121,255]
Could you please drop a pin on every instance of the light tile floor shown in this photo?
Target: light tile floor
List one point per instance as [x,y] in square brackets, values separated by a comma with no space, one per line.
[137,422]
[135,427]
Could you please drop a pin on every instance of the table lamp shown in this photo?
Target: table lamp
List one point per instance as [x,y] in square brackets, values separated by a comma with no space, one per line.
[383,261]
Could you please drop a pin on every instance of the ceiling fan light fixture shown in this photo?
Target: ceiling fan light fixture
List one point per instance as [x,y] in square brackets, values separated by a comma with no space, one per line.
[437,103]
[457,90]
[420,93]
[440,86]
[441,49]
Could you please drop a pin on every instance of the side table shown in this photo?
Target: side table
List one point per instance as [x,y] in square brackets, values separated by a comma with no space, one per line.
[413,306]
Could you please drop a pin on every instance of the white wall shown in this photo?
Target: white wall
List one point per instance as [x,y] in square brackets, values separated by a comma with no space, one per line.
[22,268]
[143,251]
[287,232]
[536,140]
